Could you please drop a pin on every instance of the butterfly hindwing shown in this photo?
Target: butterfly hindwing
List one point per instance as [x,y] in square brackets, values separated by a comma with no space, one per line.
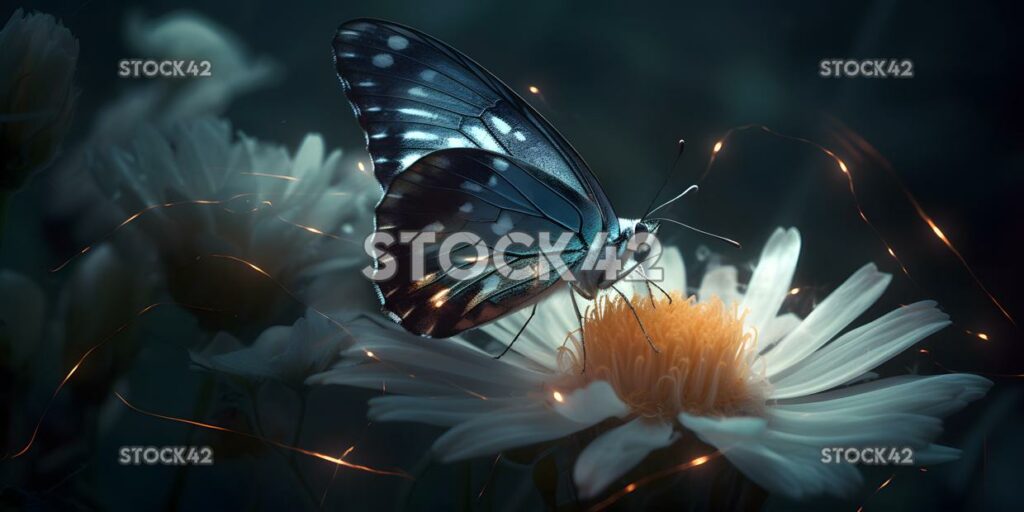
[413,94]
[489,195]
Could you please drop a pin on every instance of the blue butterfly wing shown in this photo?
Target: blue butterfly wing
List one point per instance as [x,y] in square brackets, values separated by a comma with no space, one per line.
[414,94]
[487,194]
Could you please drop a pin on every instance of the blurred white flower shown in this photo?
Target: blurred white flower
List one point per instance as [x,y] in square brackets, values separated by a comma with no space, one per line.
[159,102]
[241,226]
[185,35]
[287,354]
[768,390]
[37,96]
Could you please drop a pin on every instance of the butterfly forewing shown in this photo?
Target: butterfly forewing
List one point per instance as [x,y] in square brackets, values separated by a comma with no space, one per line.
[414,94]
[489,195]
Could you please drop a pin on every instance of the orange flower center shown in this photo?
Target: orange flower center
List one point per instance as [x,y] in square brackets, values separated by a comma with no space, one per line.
[702,364]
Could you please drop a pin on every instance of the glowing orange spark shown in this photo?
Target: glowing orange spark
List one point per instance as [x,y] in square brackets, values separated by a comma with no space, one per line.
[983,336]
[633,486]
[885,483]
[369,353]
[794,291]
[322,456]
[558,397]
[534,90]
[717,148]
[361,167]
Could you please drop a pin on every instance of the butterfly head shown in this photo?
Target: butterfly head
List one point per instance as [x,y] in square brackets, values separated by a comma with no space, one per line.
[632,234]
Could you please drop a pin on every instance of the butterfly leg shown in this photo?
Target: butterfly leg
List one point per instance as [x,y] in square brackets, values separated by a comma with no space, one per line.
[638,321]
[533,311]
[579,317]
[660,289]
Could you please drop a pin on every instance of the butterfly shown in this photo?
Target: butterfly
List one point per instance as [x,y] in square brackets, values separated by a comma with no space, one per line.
[456,150]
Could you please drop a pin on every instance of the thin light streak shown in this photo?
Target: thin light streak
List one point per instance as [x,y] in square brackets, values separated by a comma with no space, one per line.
[490,476]
[310,229]
[921,213]
[270,175]
[633,486]
[81,360]
[135,216]
[281,286]
[339,461]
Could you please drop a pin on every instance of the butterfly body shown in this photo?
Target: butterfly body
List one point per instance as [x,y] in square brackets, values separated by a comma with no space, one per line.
[456,151]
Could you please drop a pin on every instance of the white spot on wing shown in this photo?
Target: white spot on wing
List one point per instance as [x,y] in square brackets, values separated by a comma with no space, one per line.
[519,136]
[492,181]
[434,226]
[418,92]
[428,74]
[467,207]
[500,164]
[458,142]
[418,112]
[483,137]
[383,60]
[500,124]
[398,43]
[503,225]
[472,187]
[419,135]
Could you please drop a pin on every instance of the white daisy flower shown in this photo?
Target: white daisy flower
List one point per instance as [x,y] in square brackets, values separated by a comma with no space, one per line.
[769,390]
[215,211]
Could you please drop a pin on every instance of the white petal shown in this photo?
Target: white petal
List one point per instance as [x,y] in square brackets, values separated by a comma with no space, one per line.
[838,310]
[783,467]
[591,404]
[617,451]
[720,282]
[533,423]
[776,329]
[502,430]
[445,411]
[541,339]
[771,279]
[860,350]
[937,395]
[408,364]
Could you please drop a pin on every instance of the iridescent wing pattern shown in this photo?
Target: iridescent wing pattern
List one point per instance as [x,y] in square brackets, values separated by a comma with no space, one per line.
[489,195]
[414,94]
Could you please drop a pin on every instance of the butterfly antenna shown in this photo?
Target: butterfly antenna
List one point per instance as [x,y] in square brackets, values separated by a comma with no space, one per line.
[668,176]
[691,188]
[701,231]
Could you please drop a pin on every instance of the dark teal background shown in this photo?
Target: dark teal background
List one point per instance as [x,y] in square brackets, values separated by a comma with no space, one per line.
[623,82]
